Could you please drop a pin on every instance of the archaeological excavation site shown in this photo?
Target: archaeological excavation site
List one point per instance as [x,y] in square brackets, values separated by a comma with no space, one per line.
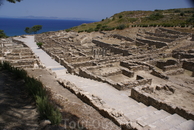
[138,78]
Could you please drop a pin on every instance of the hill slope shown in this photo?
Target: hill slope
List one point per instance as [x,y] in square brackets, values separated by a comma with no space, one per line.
[166,18]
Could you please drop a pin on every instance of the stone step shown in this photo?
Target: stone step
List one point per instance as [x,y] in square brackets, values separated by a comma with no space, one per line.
[168,122]
[187,125]
[139,113]
[150,118]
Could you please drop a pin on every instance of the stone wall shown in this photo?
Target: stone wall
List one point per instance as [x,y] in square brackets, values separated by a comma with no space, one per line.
[175,72]
[134,65]
[122,37]
[116,116]
[182,54]
[188,65]
[159,39]
[114,49]
[147,99]
[162,35]
[159,74]
[151,43]
[173,31]
[19,42]
[84,72]
[167,65]
[192,37]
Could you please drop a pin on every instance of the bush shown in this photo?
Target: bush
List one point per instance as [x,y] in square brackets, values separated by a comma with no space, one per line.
[121,27]
[80,31]
[90,30]
[182,14]
[155,16]
[47,110]
[67,30]
[133,19]
[39,93]
[2,34]
[177,11]
[39,44]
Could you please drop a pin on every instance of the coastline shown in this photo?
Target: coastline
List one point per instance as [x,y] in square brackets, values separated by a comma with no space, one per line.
[16,26]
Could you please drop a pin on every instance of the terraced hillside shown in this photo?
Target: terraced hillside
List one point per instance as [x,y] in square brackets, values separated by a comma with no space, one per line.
[164,18]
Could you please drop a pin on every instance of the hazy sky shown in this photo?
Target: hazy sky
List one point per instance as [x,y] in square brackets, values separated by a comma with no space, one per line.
[84,9]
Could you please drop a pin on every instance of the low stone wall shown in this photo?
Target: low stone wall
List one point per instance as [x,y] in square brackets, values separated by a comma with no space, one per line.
[173,31]
[167,65]
[128,85]
[183,54]
[159,39]
[151,43]
[77,59]
[147,99]
[120,86]
[175,72]
[115,50]
[69,68]
[159,74]
[162,35]
[94,101]
[188,65]
[122,37]
[83,64]
[19,42]
[192,37]
[134,66]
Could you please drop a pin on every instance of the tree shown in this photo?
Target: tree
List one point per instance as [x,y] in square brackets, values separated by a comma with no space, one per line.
[11,1]
[27,30]
[34,29]
[2,34]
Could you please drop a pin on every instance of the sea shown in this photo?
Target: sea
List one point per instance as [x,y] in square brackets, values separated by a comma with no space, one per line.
[16,26]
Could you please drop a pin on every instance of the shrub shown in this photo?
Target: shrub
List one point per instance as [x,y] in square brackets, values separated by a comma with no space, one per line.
[182,14]
[177,11]
[39,93]
[39,44]
[2,34]
[120,16]
[80,31]
[90,30]
[133,19]
[47,110]
[155,16]
[121,27]
[67,30]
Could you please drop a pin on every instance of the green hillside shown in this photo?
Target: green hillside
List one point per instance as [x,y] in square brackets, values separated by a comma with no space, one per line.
[183,17]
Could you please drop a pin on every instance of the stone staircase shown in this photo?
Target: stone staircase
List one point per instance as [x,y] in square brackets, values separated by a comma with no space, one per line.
[138,115]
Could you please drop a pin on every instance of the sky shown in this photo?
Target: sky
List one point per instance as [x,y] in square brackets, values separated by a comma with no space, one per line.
[84,9]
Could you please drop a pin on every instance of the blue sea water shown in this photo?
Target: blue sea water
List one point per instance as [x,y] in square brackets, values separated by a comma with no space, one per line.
[15,27]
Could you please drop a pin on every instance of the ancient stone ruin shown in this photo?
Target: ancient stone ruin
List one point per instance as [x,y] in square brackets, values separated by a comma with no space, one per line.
[154,65]
[128,59]
[18,54]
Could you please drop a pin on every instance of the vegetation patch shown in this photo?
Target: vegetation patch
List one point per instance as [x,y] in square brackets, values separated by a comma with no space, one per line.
[46,109]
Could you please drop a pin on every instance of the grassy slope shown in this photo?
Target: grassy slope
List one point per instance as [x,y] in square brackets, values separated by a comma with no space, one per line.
[166,18]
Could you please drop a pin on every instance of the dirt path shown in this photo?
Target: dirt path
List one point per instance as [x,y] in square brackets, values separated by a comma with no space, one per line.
[17,109]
